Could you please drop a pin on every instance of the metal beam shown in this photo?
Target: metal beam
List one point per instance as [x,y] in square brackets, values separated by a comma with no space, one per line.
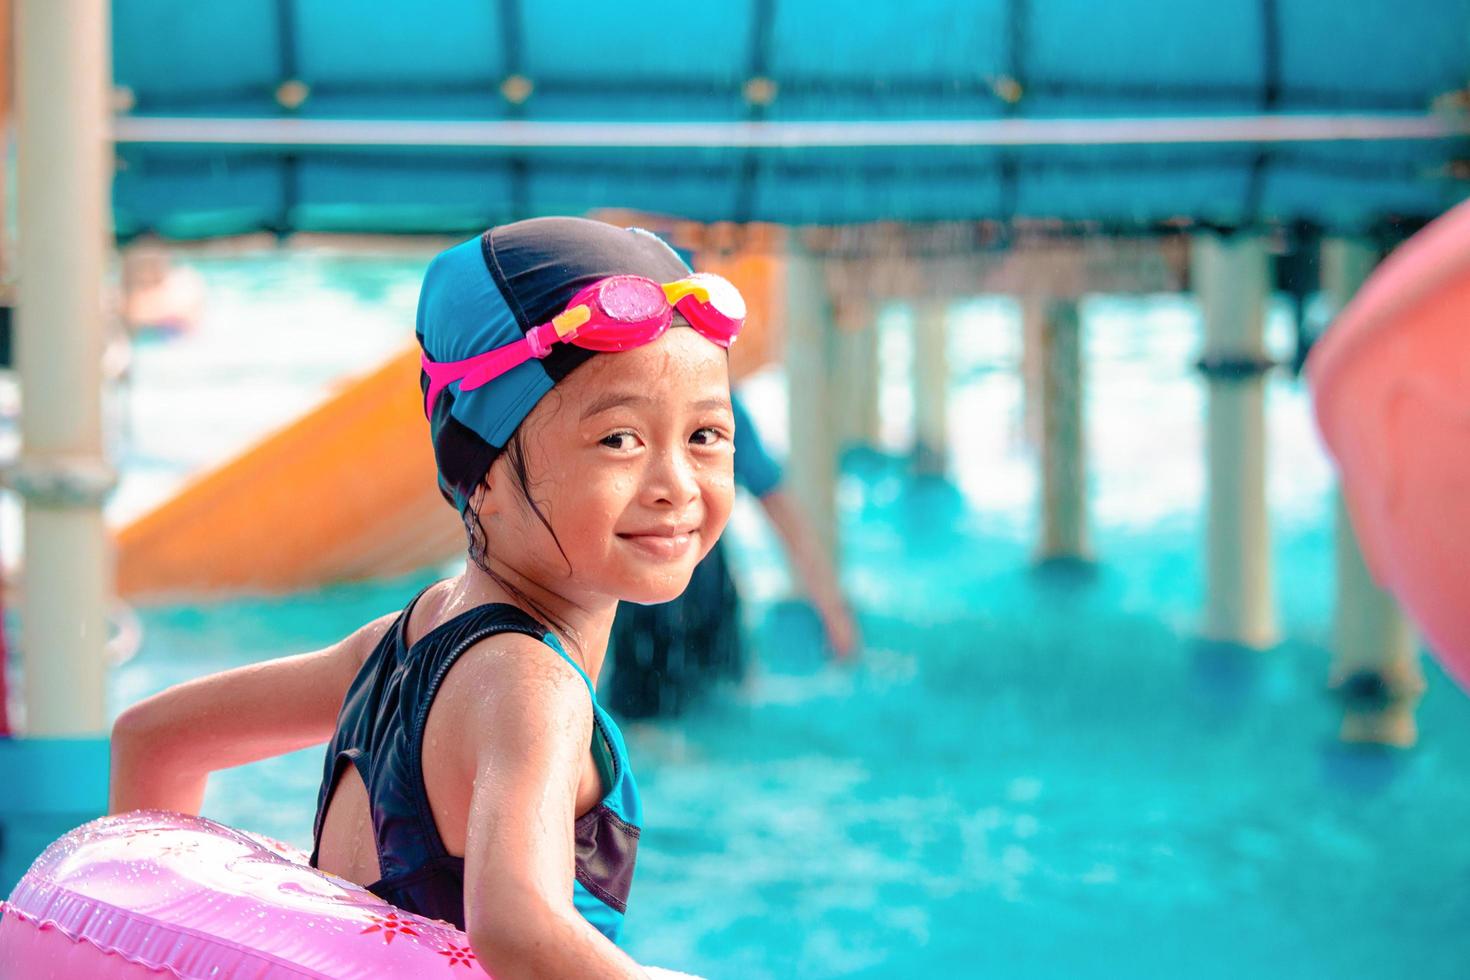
[1263,128]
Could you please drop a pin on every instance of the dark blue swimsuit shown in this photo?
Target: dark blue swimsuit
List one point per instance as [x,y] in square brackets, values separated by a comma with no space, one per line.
[380,730]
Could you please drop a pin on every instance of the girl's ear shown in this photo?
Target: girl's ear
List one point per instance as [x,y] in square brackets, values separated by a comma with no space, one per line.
[482,501]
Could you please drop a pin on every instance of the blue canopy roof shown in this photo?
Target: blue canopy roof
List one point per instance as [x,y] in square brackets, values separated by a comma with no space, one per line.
[978,111]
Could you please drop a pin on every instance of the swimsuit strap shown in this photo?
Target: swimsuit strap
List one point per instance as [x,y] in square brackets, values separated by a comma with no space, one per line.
[551,640]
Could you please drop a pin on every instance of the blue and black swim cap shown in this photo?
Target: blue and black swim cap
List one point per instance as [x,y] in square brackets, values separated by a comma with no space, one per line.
[488,292]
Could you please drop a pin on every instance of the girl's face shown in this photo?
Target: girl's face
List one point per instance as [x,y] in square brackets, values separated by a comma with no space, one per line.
[630,459]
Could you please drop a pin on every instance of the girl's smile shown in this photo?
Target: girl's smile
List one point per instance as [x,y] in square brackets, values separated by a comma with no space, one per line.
[662,545]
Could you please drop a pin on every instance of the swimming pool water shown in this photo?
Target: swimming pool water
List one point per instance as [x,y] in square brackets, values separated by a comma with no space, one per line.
[1025,774]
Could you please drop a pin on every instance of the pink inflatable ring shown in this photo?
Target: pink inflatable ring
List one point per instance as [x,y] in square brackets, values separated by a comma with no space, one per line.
[154,892]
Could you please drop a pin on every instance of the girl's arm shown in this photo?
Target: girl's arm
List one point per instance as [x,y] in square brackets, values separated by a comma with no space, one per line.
[531,720]
[165,747]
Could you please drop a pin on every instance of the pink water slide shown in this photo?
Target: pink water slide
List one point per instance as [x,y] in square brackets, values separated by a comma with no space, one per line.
[1391,385]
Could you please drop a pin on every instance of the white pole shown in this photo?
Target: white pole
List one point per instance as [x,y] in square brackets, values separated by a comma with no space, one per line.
[6,117]
[1230,277]
[1033,327]
[1376,650]
[1375,667]
[1058,372]
[857,420]
[931,385]
[812,465]
[63,77]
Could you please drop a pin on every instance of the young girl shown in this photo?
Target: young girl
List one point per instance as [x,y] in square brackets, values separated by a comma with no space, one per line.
[471,775]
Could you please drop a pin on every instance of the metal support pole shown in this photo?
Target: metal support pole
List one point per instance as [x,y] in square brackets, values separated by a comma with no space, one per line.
[63,78]
[7,58]
[810,342]
[931,385]
[6,301]
[1057,365]
[1375,667]
[1230,276]
[1033,326]
[857,417]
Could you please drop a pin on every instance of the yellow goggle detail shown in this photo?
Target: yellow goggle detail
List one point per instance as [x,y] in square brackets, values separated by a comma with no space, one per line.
[569,320]
[676,291]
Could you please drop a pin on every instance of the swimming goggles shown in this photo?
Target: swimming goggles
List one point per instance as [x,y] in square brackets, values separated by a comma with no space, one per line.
[612,314]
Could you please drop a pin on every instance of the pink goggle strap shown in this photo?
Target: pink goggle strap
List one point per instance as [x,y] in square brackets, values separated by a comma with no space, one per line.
[472,372]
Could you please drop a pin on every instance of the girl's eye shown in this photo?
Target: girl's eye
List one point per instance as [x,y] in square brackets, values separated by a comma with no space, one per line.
[711,436]
[617,440]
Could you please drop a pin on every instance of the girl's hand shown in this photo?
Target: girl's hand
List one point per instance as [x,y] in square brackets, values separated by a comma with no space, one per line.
[165,747]
[841,629]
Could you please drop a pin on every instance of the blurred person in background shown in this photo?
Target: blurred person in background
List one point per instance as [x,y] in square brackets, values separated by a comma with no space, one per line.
[159,296]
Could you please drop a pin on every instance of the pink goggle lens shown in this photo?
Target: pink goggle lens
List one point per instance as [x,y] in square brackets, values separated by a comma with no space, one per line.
[631,299]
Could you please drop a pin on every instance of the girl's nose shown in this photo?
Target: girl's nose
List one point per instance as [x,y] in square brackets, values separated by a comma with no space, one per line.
[673,480]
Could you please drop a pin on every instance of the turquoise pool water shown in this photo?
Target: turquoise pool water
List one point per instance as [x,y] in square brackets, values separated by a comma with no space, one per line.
[1025,775]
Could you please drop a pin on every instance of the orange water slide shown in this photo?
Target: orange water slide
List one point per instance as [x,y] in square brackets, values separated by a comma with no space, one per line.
[345,492]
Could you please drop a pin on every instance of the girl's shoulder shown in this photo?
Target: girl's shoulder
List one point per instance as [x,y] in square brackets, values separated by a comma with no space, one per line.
[515,699]
[512,664]
[505,674]
[361,642]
